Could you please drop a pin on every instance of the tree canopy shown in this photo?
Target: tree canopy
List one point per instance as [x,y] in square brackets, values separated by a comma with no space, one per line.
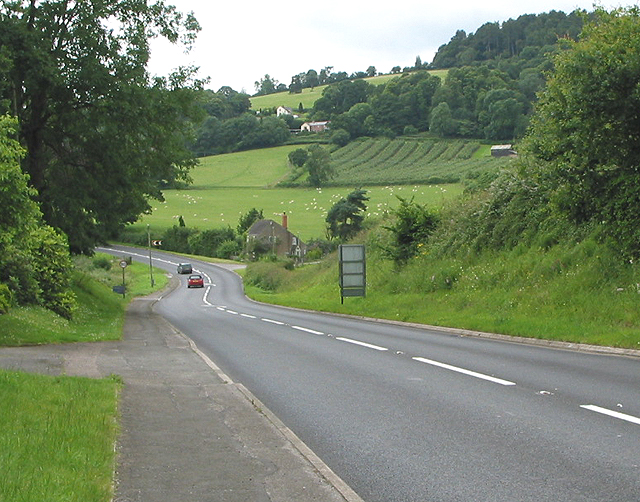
[345,218]
[34,260]
[101,136]
[587,126]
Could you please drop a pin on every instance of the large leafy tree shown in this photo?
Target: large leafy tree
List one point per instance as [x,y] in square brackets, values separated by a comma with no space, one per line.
[34,258]
[101,136]
[318,165]
[587,126]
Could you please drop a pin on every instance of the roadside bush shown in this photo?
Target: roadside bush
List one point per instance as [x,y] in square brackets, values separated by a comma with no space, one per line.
[6,299]
[206,243]
[229,249]
[102,262]
[411,227]
[177,239]
[268,276]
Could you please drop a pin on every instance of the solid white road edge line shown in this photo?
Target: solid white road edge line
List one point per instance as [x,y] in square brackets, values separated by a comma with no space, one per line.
[363,344]
[464,371]
[611,413]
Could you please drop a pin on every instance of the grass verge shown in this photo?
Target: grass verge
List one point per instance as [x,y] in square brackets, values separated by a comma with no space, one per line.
[57,437]
[58,433]
[580,293]
[100,311]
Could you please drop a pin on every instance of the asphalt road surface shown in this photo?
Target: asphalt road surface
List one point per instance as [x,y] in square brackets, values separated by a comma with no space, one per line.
[409,414]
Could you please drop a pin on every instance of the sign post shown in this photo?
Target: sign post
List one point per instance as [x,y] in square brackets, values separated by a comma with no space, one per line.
[123,265]
[150,261]
[352,268]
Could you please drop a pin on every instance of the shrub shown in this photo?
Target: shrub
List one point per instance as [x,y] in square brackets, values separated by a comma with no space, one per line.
[6,299]
[102,262]
[412,225]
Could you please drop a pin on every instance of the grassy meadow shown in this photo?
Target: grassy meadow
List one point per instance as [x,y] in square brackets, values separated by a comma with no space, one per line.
[309,96]
[228,186]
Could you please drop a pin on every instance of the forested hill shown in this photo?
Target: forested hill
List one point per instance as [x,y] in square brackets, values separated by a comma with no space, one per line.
[529,37]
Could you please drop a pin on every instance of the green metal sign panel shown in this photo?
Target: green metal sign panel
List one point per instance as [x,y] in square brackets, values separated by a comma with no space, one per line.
[352,268]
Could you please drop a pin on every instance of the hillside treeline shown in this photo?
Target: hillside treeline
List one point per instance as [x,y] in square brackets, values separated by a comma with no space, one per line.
[489,91]
[510,44]
[577,177]
[231,126]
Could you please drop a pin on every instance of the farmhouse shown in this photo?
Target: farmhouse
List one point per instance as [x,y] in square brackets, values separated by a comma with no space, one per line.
[285,110]
[277,238]
[315,126]
[503,151]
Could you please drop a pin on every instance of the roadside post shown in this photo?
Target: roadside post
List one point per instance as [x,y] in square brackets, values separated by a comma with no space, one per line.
[352,270]
[150,262]
[123,266]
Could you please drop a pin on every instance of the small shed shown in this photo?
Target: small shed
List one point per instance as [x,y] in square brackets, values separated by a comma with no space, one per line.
[503,151]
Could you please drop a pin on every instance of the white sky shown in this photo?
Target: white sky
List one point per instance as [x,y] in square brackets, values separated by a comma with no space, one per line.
[241,41]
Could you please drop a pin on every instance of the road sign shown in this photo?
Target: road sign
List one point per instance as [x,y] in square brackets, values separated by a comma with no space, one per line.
[123,263]
[352,267]
[156,243]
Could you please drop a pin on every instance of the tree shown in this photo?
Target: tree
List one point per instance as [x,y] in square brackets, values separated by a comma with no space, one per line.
[246,220]
[34,258]
[587,126]
[344,219]
[266,85]
[101,136]
[442,123]
[298,157]
[412,225]
[318,165]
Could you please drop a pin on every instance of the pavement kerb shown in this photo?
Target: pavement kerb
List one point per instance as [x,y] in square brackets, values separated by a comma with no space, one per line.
[323,469]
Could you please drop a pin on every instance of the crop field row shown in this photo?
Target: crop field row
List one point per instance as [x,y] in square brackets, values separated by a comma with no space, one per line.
[406,161]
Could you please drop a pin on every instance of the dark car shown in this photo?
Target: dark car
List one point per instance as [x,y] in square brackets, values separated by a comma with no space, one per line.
[195,281]
[185,268]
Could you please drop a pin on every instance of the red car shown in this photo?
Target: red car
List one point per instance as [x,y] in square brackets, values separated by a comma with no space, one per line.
[195,281]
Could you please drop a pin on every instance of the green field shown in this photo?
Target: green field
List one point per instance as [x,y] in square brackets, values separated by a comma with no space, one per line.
[206,208]
[404,161]
[228,186]
[309,96]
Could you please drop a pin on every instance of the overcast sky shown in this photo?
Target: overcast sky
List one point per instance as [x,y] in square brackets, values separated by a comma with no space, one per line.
[242,41]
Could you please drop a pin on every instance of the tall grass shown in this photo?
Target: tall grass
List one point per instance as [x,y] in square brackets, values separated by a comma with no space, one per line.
[57,438]
[100,311]
[576,292]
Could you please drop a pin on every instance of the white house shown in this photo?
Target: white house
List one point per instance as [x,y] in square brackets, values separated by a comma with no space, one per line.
[285,110]
[315,126]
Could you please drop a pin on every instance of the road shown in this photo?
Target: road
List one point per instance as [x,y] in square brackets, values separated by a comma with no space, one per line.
[409,414]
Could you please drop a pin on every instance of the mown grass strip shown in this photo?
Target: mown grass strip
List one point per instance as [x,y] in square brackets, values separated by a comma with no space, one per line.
[57,438]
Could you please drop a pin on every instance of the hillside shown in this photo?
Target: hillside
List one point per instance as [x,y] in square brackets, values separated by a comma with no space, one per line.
[403,161]
[229,185]
[309,96]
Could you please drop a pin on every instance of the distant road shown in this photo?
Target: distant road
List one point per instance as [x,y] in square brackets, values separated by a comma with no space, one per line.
[406,414]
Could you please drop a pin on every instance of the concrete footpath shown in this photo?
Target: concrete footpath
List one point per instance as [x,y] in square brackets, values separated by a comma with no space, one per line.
[188,433]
